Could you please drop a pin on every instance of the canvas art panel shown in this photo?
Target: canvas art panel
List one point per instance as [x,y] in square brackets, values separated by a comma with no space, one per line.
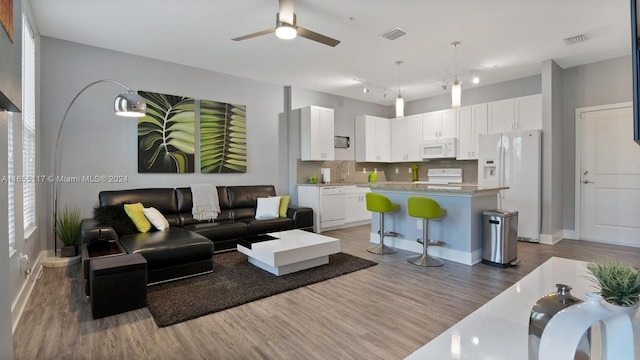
[166,135]
[6,17]
[223,137]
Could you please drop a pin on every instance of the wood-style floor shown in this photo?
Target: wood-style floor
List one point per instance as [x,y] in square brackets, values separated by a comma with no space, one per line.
[383,312]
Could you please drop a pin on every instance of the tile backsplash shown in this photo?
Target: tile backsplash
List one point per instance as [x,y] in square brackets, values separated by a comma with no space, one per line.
[351,171]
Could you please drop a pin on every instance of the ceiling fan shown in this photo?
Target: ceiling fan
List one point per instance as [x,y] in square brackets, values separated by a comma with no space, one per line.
[286,27]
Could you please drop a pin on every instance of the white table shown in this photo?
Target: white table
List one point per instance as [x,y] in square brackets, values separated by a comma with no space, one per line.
[292,251]
[499,329]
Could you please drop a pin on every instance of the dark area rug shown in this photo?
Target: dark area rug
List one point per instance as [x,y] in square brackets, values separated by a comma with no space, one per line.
[235,282]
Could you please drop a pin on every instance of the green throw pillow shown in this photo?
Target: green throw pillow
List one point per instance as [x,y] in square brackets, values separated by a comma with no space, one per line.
[136,213]
[284,205]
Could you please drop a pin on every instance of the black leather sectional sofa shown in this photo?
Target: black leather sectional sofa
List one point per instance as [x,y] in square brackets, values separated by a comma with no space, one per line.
[187,248]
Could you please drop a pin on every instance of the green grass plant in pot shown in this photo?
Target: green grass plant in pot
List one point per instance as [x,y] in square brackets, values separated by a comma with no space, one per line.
[619,283]
[68,231]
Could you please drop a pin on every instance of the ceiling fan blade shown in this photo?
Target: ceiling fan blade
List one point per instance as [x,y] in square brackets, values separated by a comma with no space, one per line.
[312,35]
[259,33]
[285,11]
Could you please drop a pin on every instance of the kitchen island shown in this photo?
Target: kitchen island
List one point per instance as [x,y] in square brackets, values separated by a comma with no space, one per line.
[460,230]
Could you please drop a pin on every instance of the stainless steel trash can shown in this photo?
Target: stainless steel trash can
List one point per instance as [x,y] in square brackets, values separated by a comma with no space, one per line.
[500,238]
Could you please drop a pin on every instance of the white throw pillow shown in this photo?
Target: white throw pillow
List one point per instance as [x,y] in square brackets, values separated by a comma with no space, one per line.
[156,218]
[268,208]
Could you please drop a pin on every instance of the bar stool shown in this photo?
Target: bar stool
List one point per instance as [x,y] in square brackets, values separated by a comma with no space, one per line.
[425,208]
[381,204]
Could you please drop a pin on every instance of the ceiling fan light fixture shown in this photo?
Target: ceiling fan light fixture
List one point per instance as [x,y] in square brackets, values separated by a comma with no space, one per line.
[286,31]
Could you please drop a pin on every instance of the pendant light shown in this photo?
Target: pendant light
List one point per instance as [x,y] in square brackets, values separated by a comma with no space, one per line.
[399,99]
[456,88]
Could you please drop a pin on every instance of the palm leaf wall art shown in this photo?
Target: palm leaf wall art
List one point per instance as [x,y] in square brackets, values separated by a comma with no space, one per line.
[166,135]
[223,137]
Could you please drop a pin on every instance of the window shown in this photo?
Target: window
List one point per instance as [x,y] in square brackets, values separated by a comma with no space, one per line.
[28,127]
[11,185]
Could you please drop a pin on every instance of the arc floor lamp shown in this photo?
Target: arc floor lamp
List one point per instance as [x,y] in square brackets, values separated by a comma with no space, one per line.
[128,104]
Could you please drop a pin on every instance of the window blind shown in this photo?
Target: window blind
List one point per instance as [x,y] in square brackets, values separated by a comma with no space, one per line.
[11,185]
[28,126]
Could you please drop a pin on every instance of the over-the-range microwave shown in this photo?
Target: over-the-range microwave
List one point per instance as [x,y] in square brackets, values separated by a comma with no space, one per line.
[439,148]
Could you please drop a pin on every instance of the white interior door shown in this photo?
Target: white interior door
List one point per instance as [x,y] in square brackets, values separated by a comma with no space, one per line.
[609,177]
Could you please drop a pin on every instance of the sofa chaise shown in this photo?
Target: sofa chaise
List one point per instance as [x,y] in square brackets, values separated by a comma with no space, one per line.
[187,247]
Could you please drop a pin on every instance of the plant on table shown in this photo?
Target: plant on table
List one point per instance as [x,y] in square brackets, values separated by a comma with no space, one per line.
[619,283]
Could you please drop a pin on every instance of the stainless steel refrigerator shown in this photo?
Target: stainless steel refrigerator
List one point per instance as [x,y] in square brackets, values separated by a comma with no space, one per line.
[514,160]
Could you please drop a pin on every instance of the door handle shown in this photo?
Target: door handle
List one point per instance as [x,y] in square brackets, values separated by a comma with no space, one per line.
[587,182]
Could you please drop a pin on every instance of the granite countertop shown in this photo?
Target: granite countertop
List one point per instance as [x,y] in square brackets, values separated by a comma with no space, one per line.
[337,184]
[439,188]
[410,186]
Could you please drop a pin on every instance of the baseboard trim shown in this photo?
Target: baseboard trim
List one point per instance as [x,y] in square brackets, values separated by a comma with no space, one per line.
[548,239]
[438,251]
[18,306]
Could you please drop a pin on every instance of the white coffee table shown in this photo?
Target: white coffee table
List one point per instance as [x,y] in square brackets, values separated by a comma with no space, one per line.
[292,251]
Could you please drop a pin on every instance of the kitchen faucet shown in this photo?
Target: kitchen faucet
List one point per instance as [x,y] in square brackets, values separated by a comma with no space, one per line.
[341,176]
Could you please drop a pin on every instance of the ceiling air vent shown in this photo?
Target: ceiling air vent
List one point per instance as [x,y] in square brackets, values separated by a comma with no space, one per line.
[393,34]
[574,40]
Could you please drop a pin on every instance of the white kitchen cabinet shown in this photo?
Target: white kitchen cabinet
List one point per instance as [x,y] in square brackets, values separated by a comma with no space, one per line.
[529,112]
[439,124]
[373,139]
[316,133]
[355,204]
[336,206]
[521,113]
[472,121]
[406,134]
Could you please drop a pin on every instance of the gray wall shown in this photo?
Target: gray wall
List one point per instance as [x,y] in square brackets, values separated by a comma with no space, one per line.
[601,83]
[11,58]
[6,342]
[551,149]
[96,142]
[345,111]
[476,95]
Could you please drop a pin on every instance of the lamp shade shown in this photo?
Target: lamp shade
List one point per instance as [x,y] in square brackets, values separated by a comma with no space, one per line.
[399,106]
[456,94]
[130,104]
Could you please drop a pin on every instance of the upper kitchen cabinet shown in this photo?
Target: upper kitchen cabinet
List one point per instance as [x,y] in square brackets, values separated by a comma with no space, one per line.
[522,113]
[373,140]
[472,121]
[406,134]
[529,112]
[316,133]
[439,124]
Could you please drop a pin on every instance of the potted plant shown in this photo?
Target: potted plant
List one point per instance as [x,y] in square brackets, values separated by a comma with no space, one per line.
[68,231]
[619,283]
